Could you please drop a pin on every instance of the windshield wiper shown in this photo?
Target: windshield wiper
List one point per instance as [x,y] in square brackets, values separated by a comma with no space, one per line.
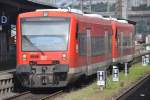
[26,38]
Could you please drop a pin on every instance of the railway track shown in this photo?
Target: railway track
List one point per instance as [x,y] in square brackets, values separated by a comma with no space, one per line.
[30,96]
[51,96]
[132,88]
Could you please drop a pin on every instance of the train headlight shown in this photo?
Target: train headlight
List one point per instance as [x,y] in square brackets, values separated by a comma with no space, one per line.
[64,56]
[24,57]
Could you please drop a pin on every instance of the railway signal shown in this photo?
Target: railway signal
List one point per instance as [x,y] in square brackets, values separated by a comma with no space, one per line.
[115,74]
[101,79]
[126,69]
[145,60]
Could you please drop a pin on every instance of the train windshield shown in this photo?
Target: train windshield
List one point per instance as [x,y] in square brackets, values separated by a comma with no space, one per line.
[45,33]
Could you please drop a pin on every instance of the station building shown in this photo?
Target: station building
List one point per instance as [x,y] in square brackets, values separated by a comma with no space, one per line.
[9,10]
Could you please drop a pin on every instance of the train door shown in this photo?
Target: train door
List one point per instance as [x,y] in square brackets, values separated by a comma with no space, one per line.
[89,52]
[106,45]
[132,42]
[121,44]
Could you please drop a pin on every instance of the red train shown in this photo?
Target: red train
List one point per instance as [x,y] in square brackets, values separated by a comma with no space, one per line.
[55,47]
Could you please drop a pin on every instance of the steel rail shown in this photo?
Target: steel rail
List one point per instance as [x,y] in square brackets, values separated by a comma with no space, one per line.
[132,88]
[52,95]
[19,95]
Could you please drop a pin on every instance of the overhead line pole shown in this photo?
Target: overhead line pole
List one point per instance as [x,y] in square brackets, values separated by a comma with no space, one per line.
[121,9]
[81,5]
[90,5]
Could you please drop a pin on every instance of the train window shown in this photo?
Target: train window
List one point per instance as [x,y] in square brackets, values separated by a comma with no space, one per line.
[45,34]
[110,41]
[82,44]
[98,45]
[77,31]
[120,40]
[131,40]
[127,42]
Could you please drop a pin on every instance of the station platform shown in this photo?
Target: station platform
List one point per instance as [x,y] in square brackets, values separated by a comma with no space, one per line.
[6,83]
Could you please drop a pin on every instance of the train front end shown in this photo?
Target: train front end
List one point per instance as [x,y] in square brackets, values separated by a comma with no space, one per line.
[43,48]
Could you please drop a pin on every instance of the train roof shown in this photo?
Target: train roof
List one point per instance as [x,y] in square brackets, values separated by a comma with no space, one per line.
[76,11]
[94,15]
[63,10]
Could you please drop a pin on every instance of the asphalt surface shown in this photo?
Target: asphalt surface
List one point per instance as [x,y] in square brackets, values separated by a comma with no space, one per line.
[142,93]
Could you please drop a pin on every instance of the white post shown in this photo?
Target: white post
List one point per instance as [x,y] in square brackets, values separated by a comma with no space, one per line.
[101,78]
[147,59]
[126,69]
[147,42]
[143,61]
[115,74]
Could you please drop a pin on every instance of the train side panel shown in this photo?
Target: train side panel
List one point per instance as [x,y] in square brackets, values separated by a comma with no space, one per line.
[123,46]
[94,45]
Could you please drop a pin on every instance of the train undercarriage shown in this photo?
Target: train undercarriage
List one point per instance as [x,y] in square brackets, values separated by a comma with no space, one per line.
[39,76]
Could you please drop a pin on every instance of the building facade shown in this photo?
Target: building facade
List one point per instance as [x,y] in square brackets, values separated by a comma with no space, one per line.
[136,10]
